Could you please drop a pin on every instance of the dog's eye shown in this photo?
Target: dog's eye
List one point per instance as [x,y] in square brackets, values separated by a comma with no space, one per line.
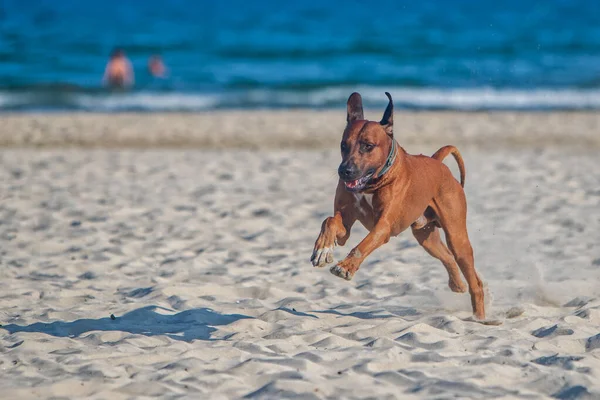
[366,147]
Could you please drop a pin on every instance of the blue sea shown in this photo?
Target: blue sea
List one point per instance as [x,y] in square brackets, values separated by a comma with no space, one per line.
[435,54]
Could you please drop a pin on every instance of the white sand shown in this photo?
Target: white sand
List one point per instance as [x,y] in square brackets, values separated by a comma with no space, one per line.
[203,258]
[295,129]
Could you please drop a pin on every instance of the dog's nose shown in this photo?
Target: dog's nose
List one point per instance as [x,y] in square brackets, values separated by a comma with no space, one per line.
[346,171]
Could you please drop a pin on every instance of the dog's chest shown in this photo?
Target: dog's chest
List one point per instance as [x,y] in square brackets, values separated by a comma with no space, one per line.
[363,203]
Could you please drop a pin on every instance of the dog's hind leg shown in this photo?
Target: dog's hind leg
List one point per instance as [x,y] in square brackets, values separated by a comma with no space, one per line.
[428,236]
[460,246]
[452,212]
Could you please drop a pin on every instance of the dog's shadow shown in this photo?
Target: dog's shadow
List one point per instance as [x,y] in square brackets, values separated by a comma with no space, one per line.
[195,324]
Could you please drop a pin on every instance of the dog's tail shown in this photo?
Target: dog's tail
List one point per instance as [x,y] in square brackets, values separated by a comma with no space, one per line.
[443,153]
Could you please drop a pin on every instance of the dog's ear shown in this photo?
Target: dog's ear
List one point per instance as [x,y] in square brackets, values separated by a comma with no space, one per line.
[388,117]
[355,108]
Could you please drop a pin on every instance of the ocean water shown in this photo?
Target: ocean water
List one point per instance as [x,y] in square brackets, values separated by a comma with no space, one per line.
[436,54]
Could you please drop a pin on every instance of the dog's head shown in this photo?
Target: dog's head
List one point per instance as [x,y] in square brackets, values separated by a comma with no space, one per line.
[365,146]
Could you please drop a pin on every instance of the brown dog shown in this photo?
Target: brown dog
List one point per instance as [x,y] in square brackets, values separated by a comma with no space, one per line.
[388,190]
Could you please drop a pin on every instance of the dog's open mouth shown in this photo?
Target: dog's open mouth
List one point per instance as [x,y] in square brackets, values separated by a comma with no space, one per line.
[359,184]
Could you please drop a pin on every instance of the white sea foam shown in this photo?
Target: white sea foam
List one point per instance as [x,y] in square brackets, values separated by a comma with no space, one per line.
[413,98]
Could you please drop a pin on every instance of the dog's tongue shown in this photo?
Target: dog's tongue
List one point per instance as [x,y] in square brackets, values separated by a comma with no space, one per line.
[352,184]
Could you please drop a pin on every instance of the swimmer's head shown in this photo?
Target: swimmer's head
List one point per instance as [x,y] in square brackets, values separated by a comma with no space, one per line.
[117,53]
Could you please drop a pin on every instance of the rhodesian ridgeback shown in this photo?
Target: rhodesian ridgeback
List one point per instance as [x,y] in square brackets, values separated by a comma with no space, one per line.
[388,190]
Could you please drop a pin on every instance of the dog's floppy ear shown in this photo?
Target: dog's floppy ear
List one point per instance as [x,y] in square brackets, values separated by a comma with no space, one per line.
[355,108]
[388,117]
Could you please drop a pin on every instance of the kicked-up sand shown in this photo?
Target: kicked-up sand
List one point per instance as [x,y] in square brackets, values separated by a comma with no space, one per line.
[168,256]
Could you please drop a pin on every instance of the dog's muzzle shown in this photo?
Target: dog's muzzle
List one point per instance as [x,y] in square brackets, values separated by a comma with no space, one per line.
[358,184]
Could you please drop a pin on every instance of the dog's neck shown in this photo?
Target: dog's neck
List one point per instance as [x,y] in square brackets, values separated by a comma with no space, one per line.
[395,157]
[390,159]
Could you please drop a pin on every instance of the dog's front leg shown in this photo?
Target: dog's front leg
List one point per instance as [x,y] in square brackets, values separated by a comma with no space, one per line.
[334,230]
[378,236]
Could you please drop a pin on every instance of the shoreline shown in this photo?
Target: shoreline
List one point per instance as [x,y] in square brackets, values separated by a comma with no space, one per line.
[295,129]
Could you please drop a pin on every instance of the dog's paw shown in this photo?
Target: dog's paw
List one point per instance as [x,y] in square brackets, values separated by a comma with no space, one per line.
[322,256]
[339,271]
[457,286]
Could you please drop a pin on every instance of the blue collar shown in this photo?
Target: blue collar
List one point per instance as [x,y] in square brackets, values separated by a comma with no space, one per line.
[390,160]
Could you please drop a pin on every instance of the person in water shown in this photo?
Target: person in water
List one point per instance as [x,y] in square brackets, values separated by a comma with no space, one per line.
[118,72]
[156,66]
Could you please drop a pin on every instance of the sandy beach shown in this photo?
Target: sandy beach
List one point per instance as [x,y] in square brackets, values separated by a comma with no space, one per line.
[168,255]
